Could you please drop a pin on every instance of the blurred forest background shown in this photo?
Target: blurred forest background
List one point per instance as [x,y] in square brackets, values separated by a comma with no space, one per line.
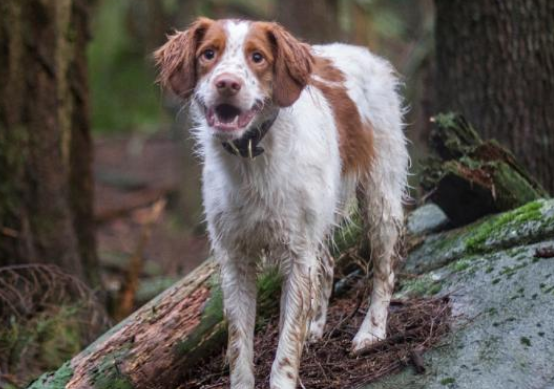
[97,173]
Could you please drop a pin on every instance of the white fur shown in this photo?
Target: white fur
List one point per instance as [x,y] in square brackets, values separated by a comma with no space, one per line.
[285,203]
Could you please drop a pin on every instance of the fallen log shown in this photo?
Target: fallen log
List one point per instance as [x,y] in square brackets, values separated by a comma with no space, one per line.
[160,342]
[469,178]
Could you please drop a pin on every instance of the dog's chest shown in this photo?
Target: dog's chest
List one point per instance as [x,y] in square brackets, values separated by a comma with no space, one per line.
[257,208]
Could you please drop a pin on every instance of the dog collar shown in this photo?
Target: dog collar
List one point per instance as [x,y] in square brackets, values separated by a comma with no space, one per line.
[247,145]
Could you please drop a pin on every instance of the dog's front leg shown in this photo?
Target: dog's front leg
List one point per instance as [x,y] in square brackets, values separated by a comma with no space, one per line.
[295,312]
[238,283]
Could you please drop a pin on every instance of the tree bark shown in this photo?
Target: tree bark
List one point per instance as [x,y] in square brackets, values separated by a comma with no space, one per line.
[162,341]
[316,21]
[45,146]
[495,65]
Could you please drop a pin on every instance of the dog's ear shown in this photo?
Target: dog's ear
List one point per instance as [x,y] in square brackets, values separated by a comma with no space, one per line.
[176,59]
[292,67]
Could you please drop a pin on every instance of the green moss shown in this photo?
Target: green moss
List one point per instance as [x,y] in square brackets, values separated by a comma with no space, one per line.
[212,323]
[54,380]
[435,288]
[214,306]
[48,339]
[420,286]
[509,271]
[269,291]
[525,341]
[513,188]
[108,374]
[461,265]
[446,120]
[487,230]
[106,382]
[347,235]
[447,381]
[520,227]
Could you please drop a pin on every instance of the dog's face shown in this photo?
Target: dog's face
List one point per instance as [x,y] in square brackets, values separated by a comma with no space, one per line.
[233,69]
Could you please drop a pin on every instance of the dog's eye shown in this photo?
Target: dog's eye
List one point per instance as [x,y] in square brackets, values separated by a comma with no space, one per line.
[208,54]
[257,57]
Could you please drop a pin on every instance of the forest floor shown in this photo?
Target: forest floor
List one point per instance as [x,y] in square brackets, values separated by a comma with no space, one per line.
[415,325]
[133,172]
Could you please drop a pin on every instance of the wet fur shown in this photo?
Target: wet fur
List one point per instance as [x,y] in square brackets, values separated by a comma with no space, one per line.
[338,138]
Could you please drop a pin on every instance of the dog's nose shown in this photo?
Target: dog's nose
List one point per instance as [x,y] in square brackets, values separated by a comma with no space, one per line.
[228,85]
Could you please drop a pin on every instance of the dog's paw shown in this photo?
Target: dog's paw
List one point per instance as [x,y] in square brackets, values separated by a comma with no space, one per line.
[364,341]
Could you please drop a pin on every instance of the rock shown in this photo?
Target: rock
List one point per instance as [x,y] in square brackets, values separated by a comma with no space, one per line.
[531,223]
[502,293]
[426,219]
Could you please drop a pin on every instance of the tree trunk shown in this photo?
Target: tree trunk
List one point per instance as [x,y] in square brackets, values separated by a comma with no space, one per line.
[495,65]
[162,341]
[316,21]
[45,147]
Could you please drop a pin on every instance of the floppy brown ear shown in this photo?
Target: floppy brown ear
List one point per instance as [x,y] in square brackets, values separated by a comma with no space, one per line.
[176,59]
[293,65]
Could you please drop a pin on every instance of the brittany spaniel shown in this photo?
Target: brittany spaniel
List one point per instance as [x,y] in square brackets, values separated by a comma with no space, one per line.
[291,136]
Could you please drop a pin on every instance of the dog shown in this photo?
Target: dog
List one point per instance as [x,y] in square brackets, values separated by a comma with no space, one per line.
[292,136]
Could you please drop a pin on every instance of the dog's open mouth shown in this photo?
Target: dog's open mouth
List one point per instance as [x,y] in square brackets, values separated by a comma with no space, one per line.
[227,117]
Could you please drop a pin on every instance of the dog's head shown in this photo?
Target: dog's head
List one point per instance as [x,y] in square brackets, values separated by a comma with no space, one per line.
[233,69]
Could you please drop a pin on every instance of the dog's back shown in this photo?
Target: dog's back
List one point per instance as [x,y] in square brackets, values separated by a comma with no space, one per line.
[371,83]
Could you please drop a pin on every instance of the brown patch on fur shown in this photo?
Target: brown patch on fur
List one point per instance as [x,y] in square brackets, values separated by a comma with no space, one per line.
[355,136]
[374,321]
[290,60]
[215,38]
[318,314]
[285,362]
[178,60]
[325,69]
[232,348]
[257,40]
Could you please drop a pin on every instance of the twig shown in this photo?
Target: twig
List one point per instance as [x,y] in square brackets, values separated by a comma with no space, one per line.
[129,288]
[544,252]
[417,361]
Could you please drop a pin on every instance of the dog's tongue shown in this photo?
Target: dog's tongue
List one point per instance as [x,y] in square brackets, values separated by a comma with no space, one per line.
[245,118]
[229,122]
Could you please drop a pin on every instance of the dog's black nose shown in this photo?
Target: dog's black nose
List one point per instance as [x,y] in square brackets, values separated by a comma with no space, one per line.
[227,84]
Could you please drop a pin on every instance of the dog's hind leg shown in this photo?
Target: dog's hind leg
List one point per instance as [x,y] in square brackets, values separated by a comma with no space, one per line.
[383,210]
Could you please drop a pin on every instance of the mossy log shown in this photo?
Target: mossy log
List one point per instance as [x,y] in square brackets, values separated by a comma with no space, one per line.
[163,340]
[469,178]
